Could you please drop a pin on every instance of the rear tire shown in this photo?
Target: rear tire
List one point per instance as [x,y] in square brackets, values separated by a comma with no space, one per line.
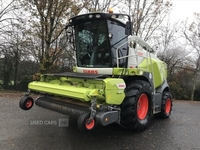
[136,109]
[166,106]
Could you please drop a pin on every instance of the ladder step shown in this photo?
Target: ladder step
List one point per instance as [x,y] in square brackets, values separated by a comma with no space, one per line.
[157,107]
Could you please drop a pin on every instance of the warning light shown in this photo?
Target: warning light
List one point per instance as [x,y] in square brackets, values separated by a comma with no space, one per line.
[110,10]
[106,119]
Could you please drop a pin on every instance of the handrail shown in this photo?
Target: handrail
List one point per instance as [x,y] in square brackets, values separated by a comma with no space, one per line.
[138,41]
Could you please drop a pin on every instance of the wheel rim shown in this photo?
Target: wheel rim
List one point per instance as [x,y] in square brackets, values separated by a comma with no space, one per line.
[168,105]
[142,106]
[90,125]
[28,103]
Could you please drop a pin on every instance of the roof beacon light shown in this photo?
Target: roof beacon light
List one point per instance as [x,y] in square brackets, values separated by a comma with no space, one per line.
[110,10]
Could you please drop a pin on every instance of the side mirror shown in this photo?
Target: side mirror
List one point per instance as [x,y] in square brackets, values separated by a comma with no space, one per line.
[129,28]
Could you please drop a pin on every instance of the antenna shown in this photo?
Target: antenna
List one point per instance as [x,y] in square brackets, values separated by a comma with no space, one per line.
[129,7]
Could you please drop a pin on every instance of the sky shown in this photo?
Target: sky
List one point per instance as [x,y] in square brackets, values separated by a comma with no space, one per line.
[184,9]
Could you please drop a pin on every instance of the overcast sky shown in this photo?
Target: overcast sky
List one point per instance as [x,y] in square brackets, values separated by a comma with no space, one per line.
[184,9]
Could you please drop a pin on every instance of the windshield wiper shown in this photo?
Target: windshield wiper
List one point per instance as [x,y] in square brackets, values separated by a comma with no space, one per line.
[119,41]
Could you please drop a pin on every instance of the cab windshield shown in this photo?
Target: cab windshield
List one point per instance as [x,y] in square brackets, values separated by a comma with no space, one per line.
[97,41]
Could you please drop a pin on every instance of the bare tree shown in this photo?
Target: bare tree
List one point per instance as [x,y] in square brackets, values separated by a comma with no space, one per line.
[48,20]
[100,5]
[170,49]
[6,15]
[7,18]
[6,11]
[86,6]
[147,16]
[192,35]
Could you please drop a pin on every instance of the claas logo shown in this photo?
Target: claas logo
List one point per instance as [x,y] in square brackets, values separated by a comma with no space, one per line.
[121,86]
[90,71]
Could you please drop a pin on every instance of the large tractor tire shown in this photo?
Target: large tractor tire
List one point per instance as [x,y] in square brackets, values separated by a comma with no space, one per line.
[136,109]
[166,106]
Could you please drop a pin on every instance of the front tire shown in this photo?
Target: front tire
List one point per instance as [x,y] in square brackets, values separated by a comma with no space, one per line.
[84,124]
[26,103]
[136,109]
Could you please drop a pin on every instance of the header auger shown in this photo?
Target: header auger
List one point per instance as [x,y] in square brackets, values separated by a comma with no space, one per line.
[117,78]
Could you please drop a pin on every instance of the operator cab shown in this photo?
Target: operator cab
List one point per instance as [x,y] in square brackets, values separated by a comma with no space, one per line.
[97,38]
